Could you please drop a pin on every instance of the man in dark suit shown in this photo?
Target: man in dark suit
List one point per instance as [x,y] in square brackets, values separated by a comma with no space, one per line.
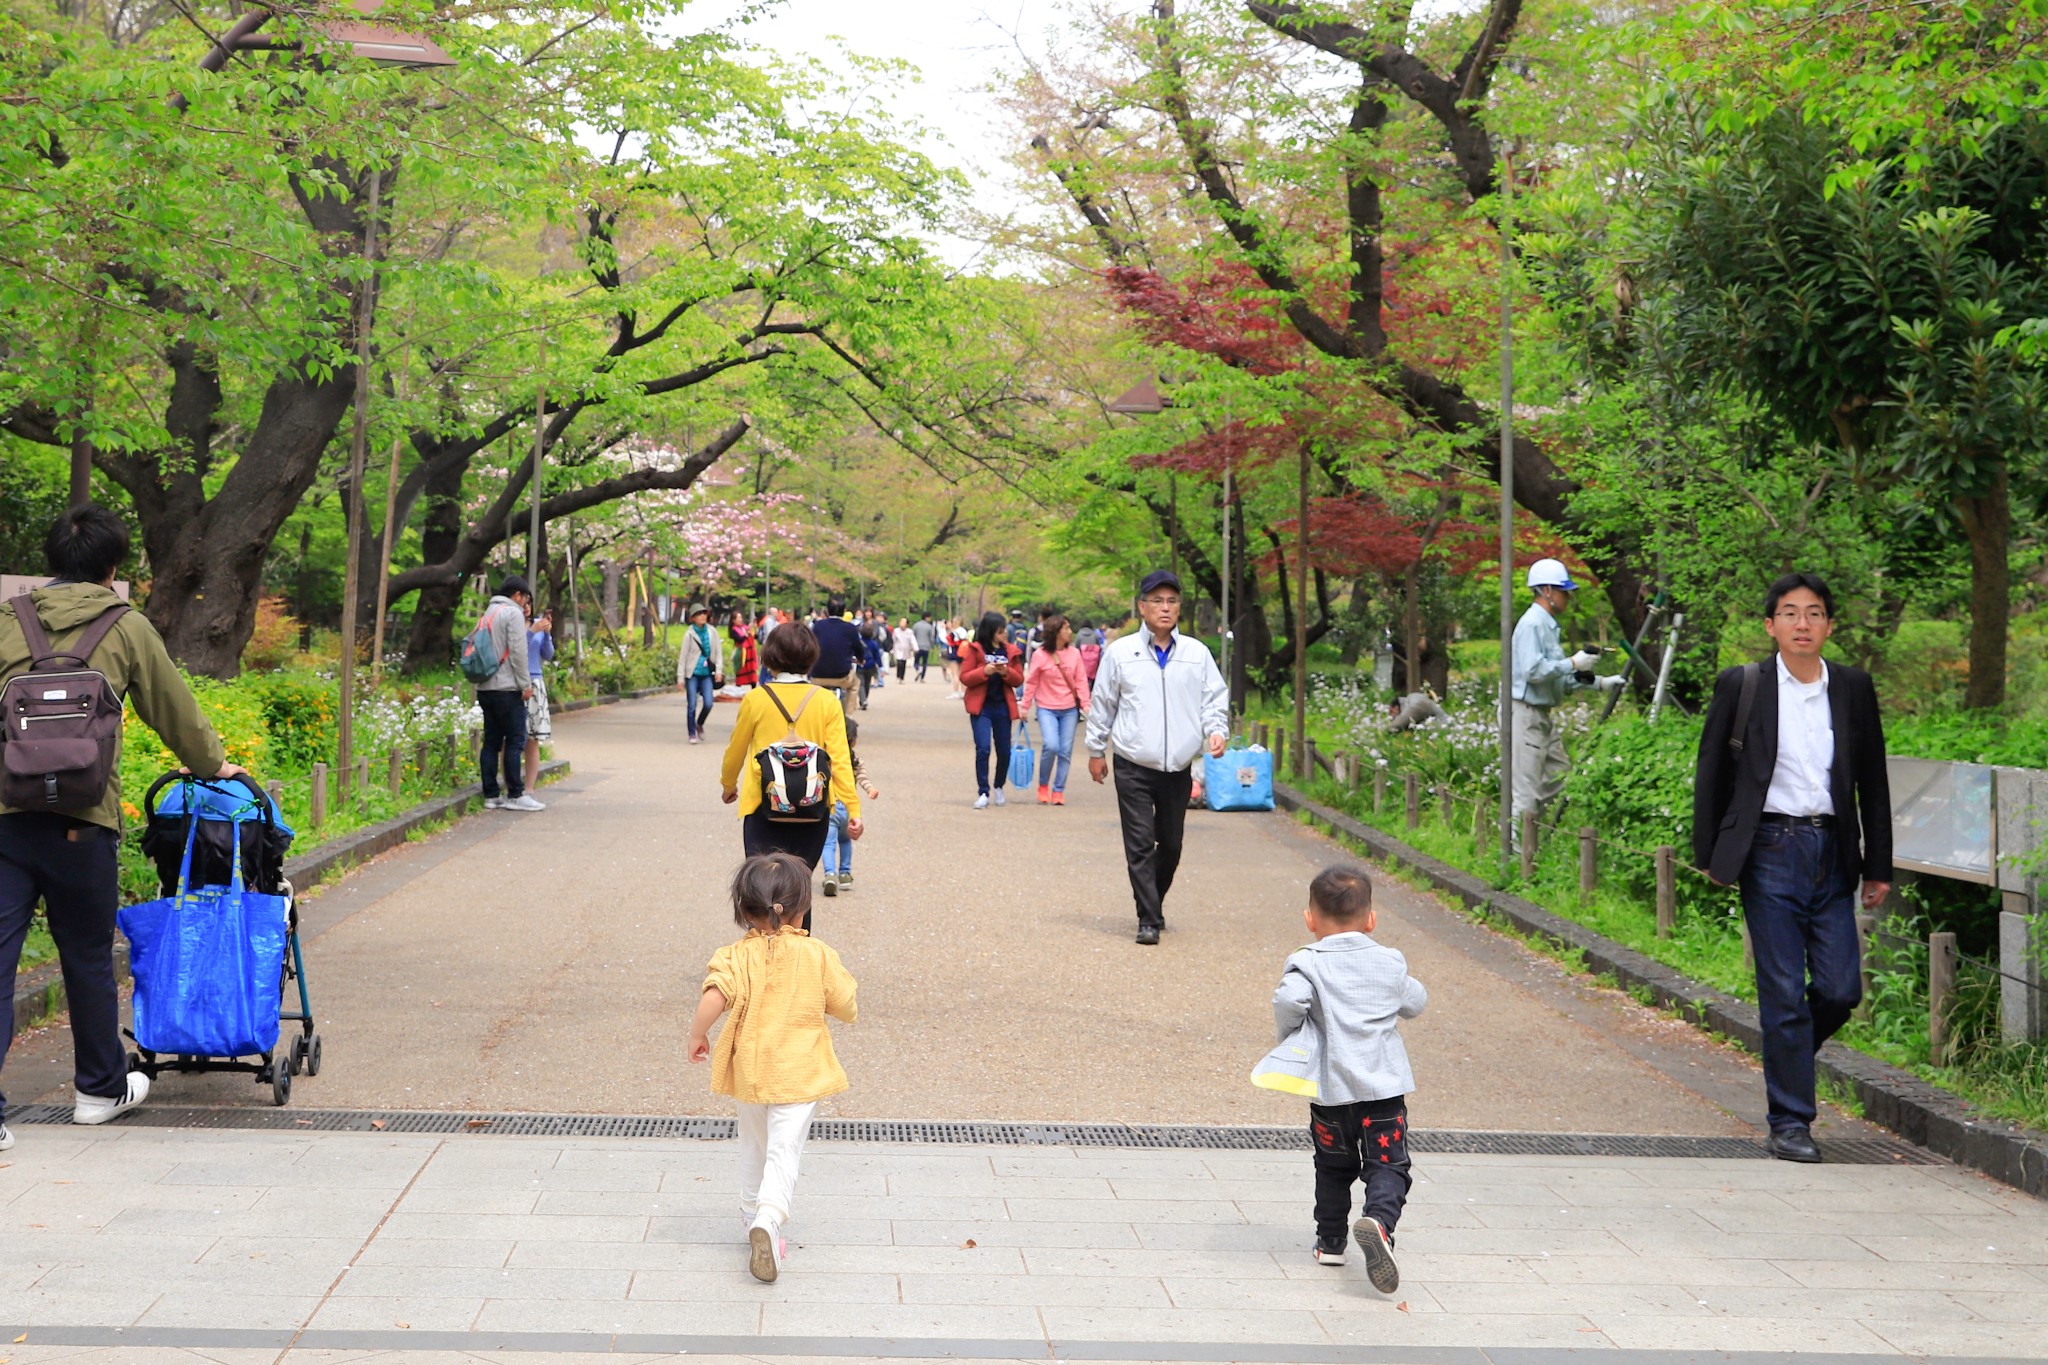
[1791,803]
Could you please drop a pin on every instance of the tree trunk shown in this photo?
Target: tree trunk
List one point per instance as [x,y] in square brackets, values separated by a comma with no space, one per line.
[1411,627]
[612,574]
[1987,522]
[432,640]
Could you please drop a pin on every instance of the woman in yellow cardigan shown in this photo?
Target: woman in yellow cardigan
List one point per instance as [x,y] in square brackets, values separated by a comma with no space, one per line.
[789,653]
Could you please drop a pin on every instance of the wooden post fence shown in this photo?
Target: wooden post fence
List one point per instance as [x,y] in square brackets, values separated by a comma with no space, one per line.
[1589,860]
[1443,804]
[1941,990]
[363,773]
[454,763]
[318,816]
[1667,890]
[420,754]
[1530,836]
[1308,759]
[1484,834]
[1412,786]
[1379,789]
[395,778]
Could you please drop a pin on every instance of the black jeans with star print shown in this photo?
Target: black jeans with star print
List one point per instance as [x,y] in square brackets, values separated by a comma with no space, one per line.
[1364,1141]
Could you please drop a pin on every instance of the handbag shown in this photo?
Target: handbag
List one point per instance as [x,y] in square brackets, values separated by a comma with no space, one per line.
[208,965]
[1022,761]
[1242,779]
[796,775]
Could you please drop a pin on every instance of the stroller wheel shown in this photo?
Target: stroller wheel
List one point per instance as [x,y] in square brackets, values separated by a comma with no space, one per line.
[280,1080]
[135,1062]
[313,1056]
[298,1053]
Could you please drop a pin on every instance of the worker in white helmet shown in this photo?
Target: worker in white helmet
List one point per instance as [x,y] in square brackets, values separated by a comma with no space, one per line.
[1541,676]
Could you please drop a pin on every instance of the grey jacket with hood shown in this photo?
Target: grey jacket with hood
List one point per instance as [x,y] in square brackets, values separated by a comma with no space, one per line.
[508,627]
[1337,1013]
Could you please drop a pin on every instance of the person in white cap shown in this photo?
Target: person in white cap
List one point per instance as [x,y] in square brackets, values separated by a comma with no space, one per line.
[1541,676]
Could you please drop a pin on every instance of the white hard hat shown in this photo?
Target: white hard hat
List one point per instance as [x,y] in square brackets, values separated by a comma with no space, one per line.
[1550,573]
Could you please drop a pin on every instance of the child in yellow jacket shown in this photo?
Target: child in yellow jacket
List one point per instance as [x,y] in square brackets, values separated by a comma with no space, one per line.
[774,1055]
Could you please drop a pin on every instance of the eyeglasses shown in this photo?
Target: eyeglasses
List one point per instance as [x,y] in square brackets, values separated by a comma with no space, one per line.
[1812,616]
[1159,601]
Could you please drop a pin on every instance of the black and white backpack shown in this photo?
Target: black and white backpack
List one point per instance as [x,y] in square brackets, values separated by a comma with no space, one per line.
[796,775]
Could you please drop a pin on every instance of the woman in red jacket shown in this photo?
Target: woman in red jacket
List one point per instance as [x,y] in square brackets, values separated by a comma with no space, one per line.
[746,654]
[991,672]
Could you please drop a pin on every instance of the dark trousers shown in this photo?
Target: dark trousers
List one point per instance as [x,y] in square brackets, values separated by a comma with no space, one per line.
[804,838]
[1154,809]
[923,657]
[867,684]
[73,870]
[991,737]
[1801,909]
[1364,1141]
[504,731]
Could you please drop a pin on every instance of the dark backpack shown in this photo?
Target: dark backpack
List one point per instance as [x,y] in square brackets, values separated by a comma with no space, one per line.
[796,775]
[63,720]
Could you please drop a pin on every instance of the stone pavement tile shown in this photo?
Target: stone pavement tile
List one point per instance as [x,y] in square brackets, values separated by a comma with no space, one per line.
[1222,1237]
[789,1314]
[1418,1236]
[2023,1306]
[2014,1341]
[449,1199]
[1846,1224]
[1915,1305]
[936,1232]
[1437,1268]
[453,1282]
[1340,1287]
[411,1312]
[1109,1165]
[731,1316]
[1951,1251]
[1594,1302]
[816,1200]
[1678,1222]
[1802,1334]
[1182,1324]
[817,1286]
[697,1203]
[723,1228]
[1712,1243]
[261,1278]
[1910,1275]
[332,1252]
[990,1186]
[1712,1199]
[97,1200]
[1698,1271]
[28,1353]
[886,1159]
[1289,1186]
[454,1252]
[1228,1265]
[1044,1291]
[2014,1228]
[280,1174]
[124,1258]
[1377,1330]
[405,1225]
[186,1306]
[1299,1213]
[1188,1209]
[114,1305]
[1922,1197]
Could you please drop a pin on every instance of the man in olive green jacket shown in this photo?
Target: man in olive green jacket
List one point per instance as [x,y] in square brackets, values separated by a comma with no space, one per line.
[68,861]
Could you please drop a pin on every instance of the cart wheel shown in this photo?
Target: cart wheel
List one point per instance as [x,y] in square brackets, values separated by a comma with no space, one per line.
[298,1053]
[313,1056]
[135,1063]
[280,1081]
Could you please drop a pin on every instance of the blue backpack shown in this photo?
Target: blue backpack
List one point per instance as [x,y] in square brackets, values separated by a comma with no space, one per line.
[480,653]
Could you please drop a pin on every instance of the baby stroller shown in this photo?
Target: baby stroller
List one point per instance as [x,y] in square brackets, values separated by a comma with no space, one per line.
[214,960]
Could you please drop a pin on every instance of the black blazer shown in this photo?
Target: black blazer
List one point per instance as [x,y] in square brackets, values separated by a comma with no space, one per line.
[1728,794]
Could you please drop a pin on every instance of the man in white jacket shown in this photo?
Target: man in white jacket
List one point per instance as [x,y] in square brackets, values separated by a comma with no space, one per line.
[1158,698]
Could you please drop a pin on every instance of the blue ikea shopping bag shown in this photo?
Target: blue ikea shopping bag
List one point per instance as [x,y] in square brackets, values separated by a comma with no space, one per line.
[1240,780]
[208,964]
[1022,763]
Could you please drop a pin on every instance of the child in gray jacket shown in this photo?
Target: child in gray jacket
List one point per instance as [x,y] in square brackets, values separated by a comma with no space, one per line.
[1337,1013]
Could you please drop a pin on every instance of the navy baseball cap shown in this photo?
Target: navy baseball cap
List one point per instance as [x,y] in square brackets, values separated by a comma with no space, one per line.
[1159,578]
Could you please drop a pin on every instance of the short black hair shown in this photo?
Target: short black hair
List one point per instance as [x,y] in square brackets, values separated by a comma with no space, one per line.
[1342,894]
[791,648]
[85,544]
[852,732]
[835,606]
[514,583]
[1793,582]
[771,888]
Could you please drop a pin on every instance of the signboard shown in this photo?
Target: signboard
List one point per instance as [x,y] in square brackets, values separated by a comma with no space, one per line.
[15,584]
[1944,818]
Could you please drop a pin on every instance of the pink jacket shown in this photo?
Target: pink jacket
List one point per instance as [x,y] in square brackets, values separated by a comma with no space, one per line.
[1056,681]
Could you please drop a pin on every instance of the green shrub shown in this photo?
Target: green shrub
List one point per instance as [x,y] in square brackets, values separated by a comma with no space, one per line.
[300,717]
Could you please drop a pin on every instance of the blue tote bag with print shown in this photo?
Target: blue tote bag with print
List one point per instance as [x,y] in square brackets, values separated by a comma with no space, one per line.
[1240,780]
[1022,762]
[208,963]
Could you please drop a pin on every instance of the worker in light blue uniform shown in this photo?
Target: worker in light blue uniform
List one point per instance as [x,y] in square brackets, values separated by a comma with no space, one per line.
[1541,677]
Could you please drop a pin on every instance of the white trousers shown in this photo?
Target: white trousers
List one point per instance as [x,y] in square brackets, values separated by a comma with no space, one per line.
[772,1140]
[1540,761]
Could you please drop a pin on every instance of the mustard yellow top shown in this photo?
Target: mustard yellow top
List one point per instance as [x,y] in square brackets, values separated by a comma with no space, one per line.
[775,1048]
[759,725]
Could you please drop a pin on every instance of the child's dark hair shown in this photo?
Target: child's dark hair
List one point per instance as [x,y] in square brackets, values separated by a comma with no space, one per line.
[769,889]
[852,732]
[1340,894]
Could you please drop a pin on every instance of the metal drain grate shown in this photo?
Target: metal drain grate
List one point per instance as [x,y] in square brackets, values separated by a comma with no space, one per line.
[1860,1152]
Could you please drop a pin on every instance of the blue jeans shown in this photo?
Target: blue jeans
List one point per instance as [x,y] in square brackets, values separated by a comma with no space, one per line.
[698,690]
[1056,734]
[1801,909]
[991,733]
[838,848]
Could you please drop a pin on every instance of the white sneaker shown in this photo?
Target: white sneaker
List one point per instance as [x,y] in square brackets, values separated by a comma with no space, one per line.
[494,803]
[981,801]
[99,1108]
[765,1251]
[524,803]
[1001,800]
[6,1138]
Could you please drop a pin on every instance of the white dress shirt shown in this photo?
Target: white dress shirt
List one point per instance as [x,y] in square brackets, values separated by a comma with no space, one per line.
[1806,747]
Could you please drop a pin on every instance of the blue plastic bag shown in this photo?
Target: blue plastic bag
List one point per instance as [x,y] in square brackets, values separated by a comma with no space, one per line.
[1022,763]
[208,965]
[1240,780]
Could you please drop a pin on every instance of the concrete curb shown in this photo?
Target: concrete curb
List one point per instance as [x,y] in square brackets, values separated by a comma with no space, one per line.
[40,993]
[1894,1098]
[556,708]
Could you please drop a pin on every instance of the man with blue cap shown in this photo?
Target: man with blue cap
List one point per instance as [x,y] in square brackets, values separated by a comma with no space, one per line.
[1540,677]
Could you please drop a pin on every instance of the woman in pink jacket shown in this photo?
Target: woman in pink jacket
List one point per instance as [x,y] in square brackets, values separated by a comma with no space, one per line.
[1057,685]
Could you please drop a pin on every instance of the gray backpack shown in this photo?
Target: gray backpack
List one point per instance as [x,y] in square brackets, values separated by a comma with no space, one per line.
[63,720]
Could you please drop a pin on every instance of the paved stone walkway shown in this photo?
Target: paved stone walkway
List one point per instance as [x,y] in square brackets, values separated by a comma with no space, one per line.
[550,962]
[235,1246]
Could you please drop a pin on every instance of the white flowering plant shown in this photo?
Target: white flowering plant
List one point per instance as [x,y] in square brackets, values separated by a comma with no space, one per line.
[399,717]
